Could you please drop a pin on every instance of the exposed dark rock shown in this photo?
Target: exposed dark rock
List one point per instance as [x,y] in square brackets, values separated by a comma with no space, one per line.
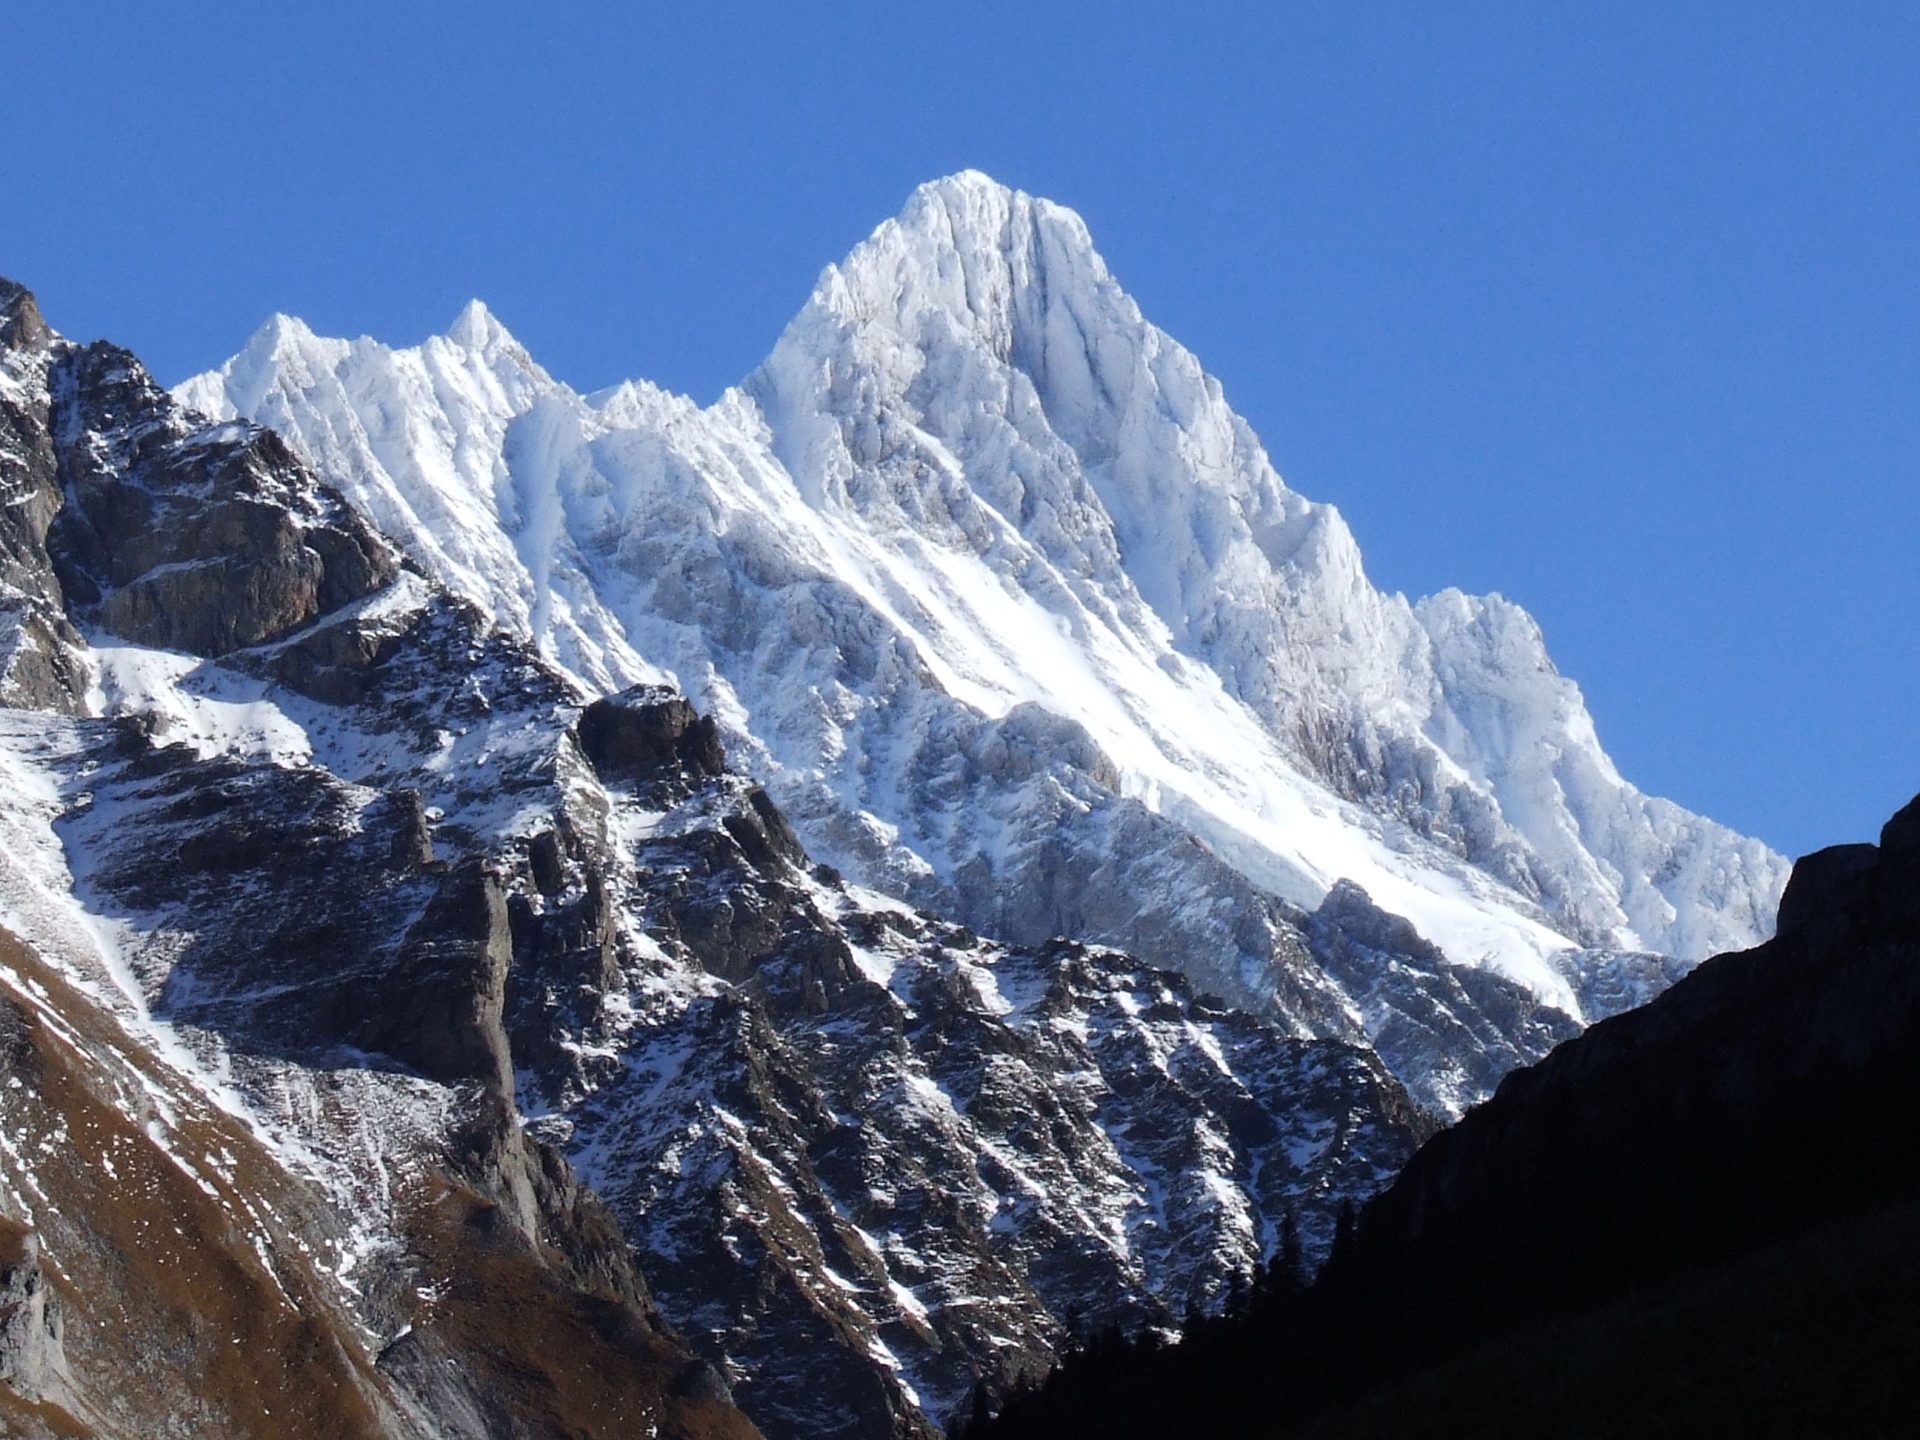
[189,539]
[37,643]
[1450,1030]
[546,862]
[32,1361]
[648,735]
[39,666]
[332,663]
[412,832]
[439,1008]
[21,327]
[763,834]
[1827,886]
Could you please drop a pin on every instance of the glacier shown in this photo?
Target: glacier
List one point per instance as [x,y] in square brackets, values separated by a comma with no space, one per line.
[982,577]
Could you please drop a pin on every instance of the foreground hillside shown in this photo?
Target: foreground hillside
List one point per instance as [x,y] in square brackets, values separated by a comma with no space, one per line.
[1814,1335]
[1697,1218]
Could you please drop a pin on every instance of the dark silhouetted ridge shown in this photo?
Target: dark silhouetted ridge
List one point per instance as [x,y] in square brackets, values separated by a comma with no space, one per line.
[1700,1217]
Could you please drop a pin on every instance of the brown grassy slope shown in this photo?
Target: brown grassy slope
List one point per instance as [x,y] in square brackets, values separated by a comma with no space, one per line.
[174,1325]
[22,1419]
[549,1358]
[173,1321]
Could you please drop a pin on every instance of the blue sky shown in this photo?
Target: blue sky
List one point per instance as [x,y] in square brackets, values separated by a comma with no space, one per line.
[1616,312]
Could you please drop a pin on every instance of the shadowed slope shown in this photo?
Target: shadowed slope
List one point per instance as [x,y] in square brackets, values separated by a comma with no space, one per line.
[1736,1159]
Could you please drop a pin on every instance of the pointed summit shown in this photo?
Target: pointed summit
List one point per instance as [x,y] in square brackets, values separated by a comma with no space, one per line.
[969,197]
[975,276]
[969,179]
[277,334]
[478,328]
[969,255]
[491,347]
[974,217]
[283,352]
[964,187]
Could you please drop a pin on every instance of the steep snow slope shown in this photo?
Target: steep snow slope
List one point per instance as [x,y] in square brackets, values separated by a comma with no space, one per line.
[985,579]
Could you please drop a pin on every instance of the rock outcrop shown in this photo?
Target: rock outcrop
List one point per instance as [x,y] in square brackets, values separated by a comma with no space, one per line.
[33,1361]
[649,734]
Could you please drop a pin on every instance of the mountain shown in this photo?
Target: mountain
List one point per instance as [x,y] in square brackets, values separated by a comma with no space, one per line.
[1698,1218]
[983,579]
[404,1038]
[538,914]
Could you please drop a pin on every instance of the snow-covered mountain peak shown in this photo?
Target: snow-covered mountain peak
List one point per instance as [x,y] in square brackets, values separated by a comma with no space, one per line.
[475,325]
[970,249]
[962,182]
[971,264]
[977,355]
[478,330]
[477,358]
[280,334]
[984,578]
[283,351]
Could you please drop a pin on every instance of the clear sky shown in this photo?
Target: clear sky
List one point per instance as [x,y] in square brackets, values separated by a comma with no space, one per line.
[1614,309]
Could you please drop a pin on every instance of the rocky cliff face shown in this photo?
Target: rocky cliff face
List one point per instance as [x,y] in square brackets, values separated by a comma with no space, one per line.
[983,578]
[873,1159]
[506,1049]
